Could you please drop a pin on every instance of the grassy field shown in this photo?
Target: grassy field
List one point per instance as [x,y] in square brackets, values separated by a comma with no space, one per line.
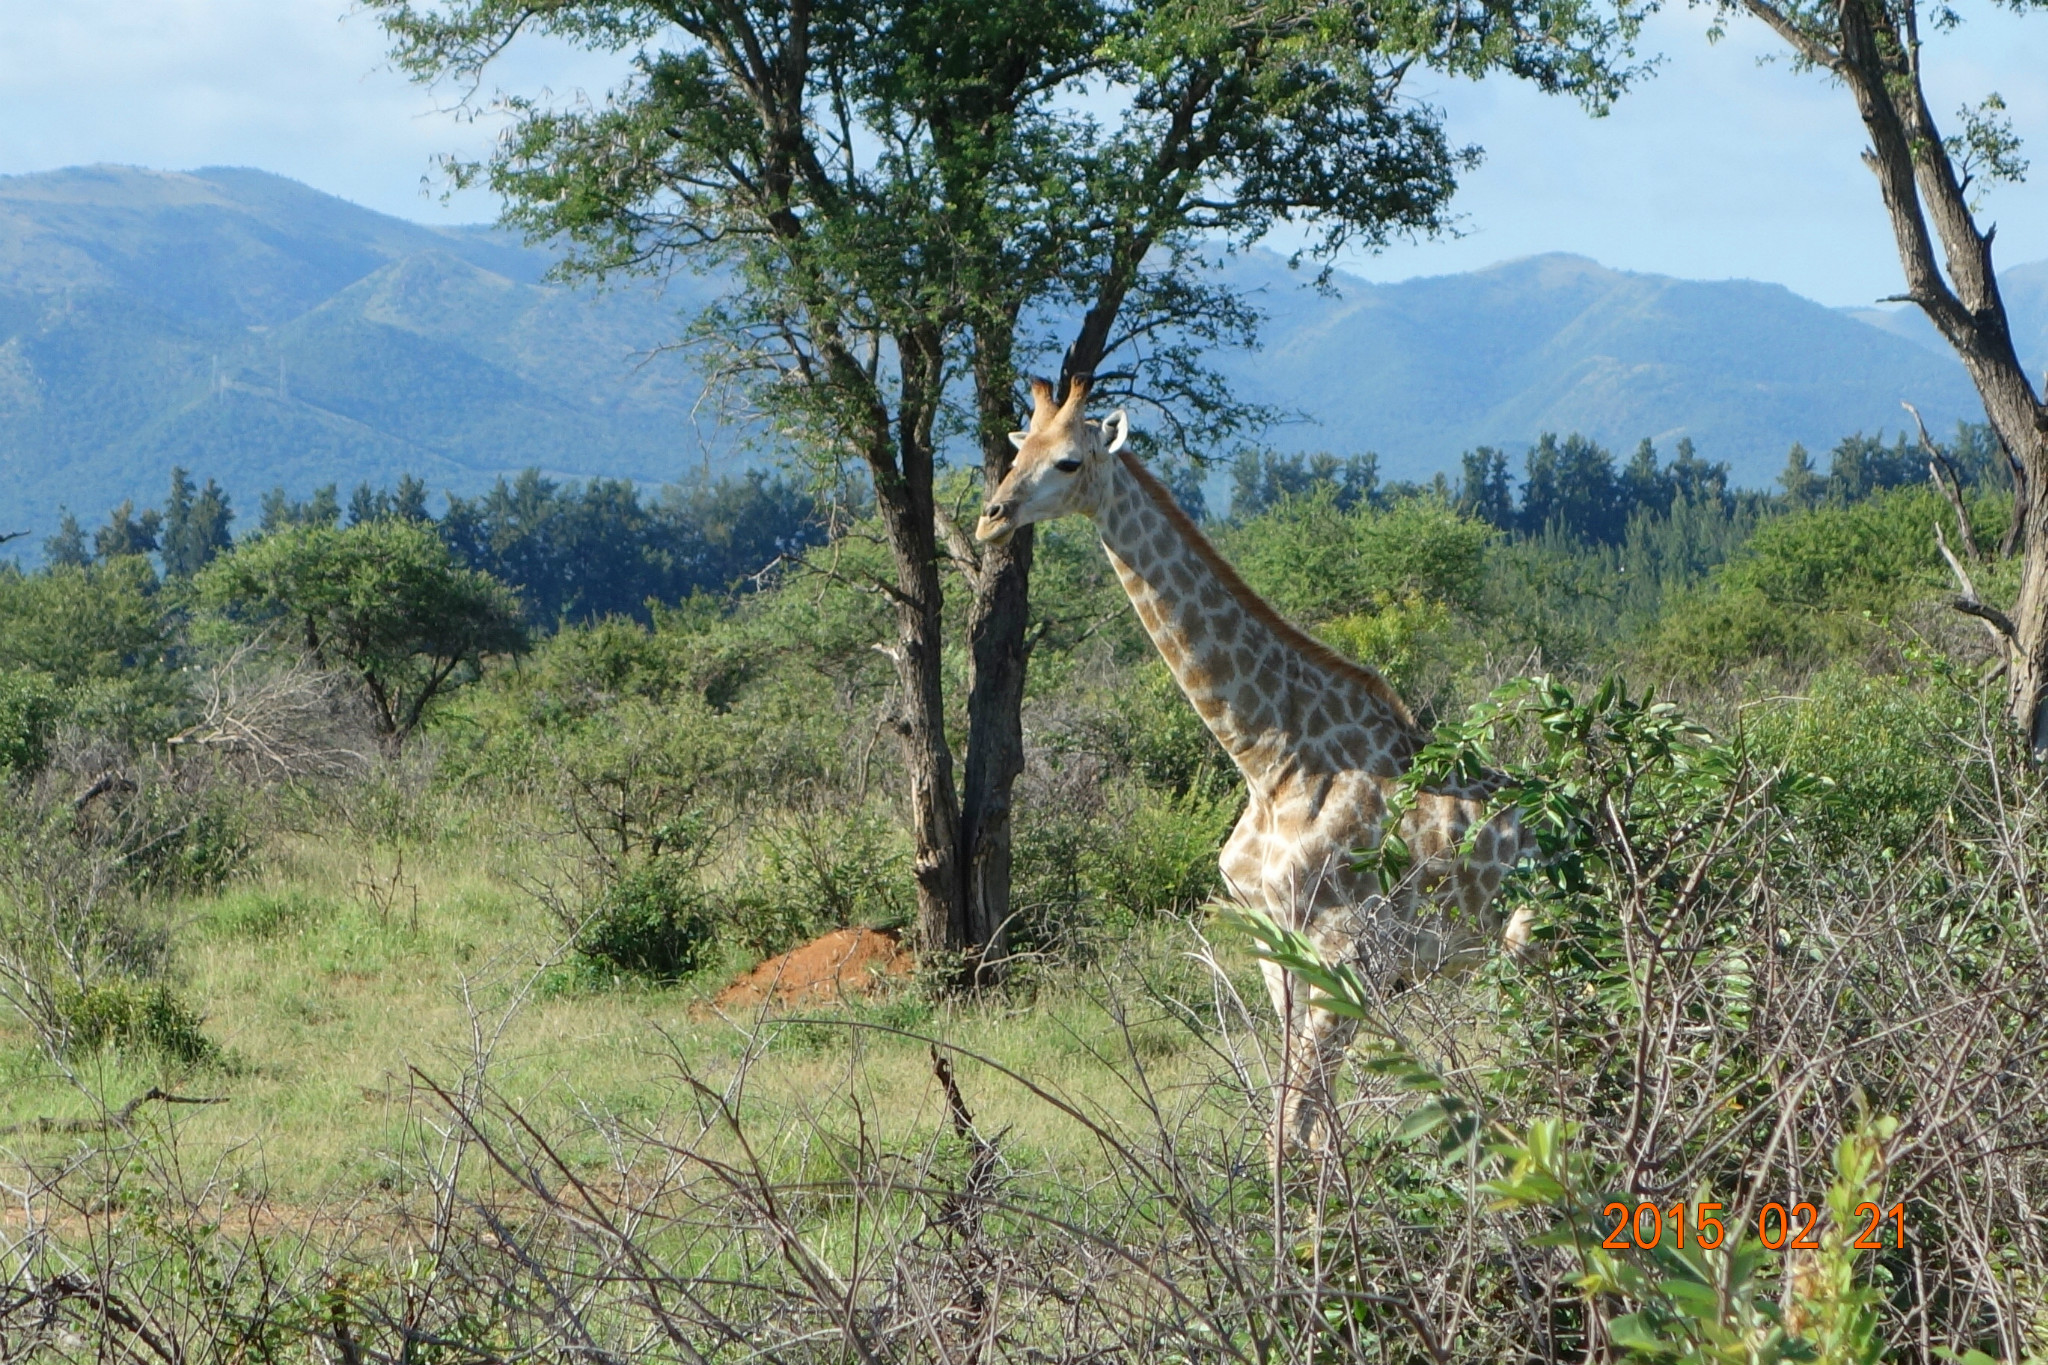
[476,1102]
[334,990]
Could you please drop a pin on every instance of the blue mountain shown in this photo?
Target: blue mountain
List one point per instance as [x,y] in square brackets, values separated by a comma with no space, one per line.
[264,334]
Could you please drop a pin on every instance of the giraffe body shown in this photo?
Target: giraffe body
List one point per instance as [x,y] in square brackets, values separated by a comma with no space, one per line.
[1320,740]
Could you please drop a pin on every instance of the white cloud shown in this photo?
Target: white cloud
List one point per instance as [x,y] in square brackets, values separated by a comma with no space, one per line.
[300,87]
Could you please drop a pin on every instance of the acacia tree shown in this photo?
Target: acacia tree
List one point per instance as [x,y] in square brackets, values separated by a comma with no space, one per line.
[382,600]
[901,193]
[1928,180]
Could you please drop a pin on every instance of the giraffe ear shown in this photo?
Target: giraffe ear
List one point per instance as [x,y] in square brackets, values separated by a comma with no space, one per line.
[1121,420]
[1018,438]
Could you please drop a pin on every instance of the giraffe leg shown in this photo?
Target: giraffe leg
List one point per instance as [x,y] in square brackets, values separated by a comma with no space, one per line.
[1516,936]
[1313,1044]
[1305,1113]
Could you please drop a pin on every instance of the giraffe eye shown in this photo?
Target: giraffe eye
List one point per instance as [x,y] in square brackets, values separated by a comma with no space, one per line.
[1067,466]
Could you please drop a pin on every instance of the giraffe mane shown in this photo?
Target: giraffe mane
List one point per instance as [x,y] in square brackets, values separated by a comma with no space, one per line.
[1293,636]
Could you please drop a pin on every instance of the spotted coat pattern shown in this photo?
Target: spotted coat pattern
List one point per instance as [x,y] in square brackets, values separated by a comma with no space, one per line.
[1320,740]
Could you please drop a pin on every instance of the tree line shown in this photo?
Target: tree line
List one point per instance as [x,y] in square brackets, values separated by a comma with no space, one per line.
[571,551]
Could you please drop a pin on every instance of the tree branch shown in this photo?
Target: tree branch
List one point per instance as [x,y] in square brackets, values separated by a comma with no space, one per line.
[2003,633]
[1951,487]
[118,1119]
[959,548]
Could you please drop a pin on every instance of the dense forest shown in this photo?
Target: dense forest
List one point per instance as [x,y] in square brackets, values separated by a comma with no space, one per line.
[427,844]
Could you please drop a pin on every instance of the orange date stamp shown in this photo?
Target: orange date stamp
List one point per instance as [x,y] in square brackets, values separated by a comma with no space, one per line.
[1646,1226]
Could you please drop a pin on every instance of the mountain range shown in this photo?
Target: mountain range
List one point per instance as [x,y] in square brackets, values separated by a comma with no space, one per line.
[1426,368]
[262,333]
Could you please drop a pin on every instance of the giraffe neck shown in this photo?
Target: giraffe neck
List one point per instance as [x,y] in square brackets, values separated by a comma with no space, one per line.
[1279,702]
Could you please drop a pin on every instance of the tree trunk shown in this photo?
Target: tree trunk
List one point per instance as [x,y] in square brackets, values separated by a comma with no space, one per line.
[998,653]
[1880,62]
[2028,657]
[903,496]
[999,647]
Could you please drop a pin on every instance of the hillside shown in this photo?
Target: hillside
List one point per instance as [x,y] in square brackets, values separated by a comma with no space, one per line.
[2025,288]
[1424,369]
[262,333]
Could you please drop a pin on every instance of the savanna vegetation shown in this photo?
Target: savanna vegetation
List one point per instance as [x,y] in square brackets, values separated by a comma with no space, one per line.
[369,881]
[363,922]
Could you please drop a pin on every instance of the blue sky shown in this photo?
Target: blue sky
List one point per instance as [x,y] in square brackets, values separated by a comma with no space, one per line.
[1717,167]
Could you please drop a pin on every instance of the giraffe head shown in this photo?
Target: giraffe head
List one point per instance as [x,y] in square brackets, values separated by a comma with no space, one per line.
[1062,463]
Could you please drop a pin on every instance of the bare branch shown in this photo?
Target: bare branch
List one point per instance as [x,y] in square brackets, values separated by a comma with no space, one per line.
[1938,464]
[2003,633]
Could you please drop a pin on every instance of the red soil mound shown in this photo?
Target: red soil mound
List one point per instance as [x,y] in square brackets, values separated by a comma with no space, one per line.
[843,964]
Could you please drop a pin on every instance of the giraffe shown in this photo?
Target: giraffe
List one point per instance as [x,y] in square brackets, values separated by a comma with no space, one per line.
[1319,739]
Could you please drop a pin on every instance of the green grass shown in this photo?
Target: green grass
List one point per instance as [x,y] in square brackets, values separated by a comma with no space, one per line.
[329,1010]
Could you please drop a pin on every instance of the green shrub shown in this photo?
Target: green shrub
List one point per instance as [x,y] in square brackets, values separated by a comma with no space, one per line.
[650,923]
[1414,642]
[1156,735]
[1163,860]
[1888,747]
[138,1017]
[1810,587]
[29,710]
[1315,560]
[192,843]
[816,872]
[104,637]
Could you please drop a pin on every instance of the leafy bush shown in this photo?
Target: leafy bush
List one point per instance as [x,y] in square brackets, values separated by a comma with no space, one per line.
[140,1017]
[817,872]
[1812,586]
[1160,857]
[189,842]
[650,923]
[1149,730]
[1884,744]
[381,600]
[29,710]
[1314,560]
[1413,641]
[104,638]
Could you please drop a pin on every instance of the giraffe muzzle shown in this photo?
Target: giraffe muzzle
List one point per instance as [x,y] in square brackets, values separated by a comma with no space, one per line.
[995,522]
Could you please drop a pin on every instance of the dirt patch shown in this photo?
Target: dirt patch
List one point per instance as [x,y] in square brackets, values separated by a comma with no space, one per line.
[842,965]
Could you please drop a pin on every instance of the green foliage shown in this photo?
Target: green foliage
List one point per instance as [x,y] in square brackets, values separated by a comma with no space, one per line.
[1570,487]
[195,526]
[138,1016]
[382,600]
[1882,744]
[106,624]
[1861,556]
[29,710]
[1707,1306]
[580,553]
[1417,644]
[1811,585]
[1154,734]
[1315,560]
[192,842]
[1160,856]
[1261,480]
[652,922]
[819,871]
